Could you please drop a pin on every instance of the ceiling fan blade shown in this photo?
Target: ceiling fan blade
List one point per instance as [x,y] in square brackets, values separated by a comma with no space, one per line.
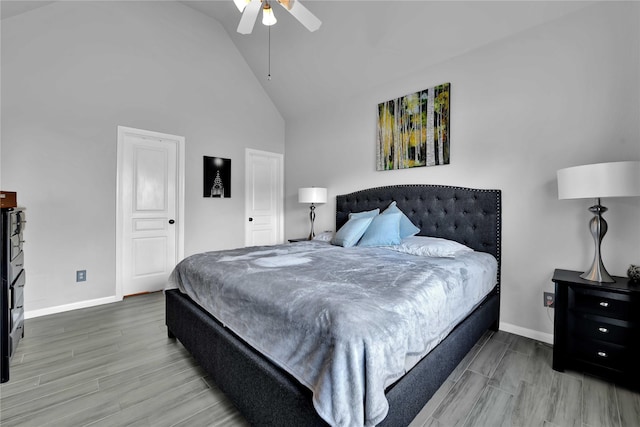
[286,3]
[249,16]
[302,14]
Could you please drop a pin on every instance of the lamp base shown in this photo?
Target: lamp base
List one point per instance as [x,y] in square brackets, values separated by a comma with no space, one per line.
[598,227]
[597,274]
[312,217]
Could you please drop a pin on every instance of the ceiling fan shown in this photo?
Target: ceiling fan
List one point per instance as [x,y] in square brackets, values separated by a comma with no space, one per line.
[250,9]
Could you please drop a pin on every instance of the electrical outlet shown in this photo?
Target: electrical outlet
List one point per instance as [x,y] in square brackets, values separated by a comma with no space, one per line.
[81,275]
[549,299]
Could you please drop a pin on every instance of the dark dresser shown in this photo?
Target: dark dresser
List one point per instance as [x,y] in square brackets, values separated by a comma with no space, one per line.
[597,327]
[13,281]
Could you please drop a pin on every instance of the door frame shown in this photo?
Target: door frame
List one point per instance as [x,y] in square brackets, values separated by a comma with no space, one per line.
[247,179]
[180,195]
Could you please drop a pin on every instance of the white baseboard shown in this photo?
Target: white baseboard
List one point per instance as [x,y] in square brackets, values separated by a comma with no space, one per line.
[529,333]
[68,307]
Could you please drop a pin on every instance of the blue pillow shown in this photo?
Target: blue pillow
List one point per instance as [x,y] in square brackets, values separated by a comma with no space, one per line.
[365,214]
[384,230]
[350,233]
[406,226]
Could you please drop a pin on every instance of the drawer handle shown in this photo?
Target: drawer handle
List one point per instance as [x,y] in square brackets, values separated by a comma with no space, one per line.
[603,330]
[602,354]
[604,304]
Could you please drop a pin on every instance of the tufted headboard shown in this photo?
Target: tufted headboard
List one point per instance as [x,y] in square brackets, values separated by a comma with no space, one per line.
[467,215]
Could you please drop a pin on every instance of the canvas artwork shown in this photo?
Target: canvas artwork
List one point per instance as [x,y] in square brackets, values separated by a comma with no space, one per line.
[217,177]
[413,130]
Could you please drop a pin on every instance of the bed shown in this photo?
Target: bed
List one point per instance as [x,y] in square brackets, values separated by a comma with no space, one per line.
[267,394]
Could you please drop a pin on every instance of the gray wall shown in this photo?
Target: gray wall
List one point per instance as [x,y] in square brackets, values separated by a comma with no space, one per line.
[562,94]
[71,73]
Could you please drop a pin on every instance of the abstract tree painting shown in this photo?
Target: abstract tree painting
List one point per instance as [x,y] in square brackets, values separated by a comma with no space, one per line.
[413,130]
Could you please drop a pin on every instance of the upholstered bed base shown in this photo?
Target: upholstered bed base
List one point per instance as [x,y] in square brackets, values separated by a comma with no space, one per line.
[267,395]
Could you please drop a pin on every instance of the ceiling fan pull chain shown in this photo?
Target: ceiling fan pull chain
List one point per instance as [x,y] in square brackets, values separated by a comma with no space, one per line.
[269,50]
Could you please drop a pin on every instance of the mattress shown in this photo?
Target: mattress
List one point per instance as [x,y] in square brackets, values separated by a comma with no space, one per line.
[345,322]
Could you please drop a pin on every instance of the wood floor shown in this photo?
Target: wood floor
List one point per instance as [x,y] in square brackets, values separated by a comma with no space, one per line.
[113,365]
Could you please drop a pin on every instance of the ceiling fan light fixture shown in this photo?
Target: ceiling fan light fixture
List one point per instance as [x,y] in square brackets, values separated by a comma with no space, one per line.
[268,18]
[241,4]
[251,8]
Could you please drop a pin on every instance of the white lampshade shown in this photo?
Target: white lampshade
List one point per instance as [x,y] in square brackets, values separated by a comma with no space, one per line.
[268,18]
[616,179]
[312,195]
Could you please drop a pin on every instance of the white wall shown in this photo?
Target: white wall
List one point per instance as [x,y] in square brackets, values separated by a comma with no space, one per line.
[562,94]
[71,73]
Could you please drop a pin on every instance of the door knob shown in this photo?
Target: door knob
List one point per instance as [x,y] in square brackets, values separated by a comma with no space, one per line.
[171,221]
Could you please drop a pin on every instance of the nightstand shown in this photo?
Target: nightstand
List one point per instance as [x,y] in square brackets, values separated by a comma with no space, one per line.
[597,327]
[299,239]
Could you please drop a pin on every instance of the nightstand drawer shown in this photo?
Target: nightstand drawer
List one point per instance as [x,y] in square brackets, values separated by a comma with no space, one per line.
[607,304]
[603,330]
[604,354]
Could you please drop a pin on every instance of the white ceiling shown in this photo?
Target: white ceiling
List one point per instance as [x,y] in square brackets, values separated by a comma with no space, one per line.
[362,44]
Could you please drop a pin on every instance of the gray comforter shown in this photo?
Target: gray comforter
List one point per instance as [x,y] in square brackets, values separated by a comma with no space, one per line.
[346,322]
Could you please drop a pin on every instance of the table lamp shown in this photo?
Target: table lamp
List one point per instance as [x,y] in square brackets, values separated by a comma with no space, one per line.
[616,179]
[312,195]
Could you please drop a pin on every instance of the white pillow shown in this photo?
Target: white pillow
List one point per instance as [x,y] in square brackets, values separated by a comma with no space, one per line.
[431,246]
[325,236]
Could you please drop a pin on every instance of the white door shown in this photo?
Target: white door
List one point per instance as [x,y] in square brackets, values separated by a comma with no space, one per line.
[264,198]
[149,208]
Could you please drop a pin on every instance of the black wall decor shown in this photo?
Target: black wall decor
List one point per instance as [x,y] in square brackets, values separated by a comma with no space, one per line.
[217,177]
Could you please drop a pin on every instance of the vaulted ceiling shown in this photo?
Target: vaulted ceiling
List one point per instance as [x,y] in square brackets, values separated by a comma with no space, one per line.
[363,43]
